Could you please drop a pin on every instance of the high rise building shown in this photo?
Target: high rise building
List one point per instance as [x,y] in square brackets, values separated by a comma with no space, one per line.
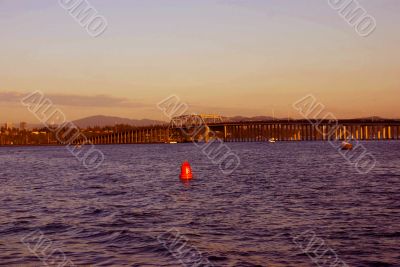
[8,125]
[22,126]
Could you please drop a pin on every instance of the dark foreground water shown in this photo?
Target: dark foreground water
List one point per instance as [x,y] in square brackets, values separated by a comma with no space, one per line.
[113,216]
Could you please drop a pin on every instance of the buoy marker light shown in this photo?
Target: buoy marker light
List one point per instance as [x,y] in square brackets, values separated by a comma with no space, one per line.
[186,171]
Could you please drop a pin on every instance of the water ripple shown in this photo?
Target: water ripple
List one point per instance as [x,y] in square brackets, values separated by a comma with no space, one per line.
[113,216]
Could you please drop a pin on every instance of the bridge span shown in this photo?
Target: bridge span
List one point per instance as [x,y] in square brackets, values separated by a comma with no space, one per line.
[195,128]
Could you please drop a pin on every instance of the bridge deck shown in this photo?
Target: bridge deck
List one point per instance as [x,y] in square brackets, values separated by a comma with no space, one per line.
[256,131]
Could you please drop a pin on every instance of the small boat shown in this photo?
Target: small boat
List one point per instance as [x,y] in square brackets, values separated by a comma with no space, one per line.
[272,140]
[346,146]
[171,142]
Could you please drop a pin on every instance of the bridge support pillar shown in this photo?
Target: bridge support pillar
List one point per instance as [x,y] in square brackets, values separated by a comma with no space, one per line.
[225,133]
[207,133]
[298,130]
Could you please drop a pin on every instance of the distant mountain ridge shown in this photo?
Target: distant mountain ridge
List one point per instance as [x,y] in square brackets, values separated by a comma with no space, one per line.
[102,121]
[255,118]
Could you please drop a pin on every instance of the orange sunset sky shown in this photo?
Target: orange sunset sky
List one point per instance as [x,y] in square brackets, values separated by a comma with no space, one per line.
[227,57]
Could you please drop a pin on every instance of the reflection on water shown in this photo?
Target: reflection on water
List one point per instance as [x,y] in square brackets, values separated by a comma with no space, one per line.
[185,183]
[113,216]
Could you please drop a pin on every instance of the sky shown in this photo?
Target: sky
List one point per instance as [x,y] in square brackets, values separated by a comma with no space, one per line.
[228,57]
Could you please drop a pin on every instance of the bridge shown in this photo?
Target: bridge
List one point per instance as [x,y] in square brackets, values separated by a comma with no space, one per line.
[203,127]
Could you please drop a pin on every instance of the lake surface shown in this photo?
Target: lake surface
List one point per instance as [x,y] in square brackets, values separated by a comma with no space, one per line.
[113,216]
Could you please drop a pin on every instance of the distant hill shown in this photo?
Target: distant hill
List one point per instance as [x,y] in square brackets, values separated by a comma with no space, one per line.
[102,121]
[242,118]
[373,118]
[266,118]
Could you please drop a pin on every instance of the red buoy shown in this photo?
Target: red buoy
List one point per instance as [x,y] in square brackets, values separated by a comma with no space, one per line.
[186,171]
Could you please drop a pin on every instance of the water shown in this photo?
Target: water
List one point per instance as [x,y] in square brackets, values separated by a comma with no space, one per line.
[114,215]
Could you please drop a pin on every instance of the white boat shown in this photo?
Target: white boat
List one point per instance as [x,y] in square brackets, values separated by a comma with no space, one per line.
[272,140]
[171,142]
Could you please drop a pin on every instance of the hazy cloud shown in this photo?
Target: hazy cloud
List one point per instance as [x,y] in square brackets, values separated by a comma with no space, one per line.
[77,100]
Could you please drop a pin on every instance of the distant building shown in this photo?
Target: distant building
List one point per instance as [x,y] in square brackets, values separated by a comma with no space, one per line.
[8,125]
[22,126]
